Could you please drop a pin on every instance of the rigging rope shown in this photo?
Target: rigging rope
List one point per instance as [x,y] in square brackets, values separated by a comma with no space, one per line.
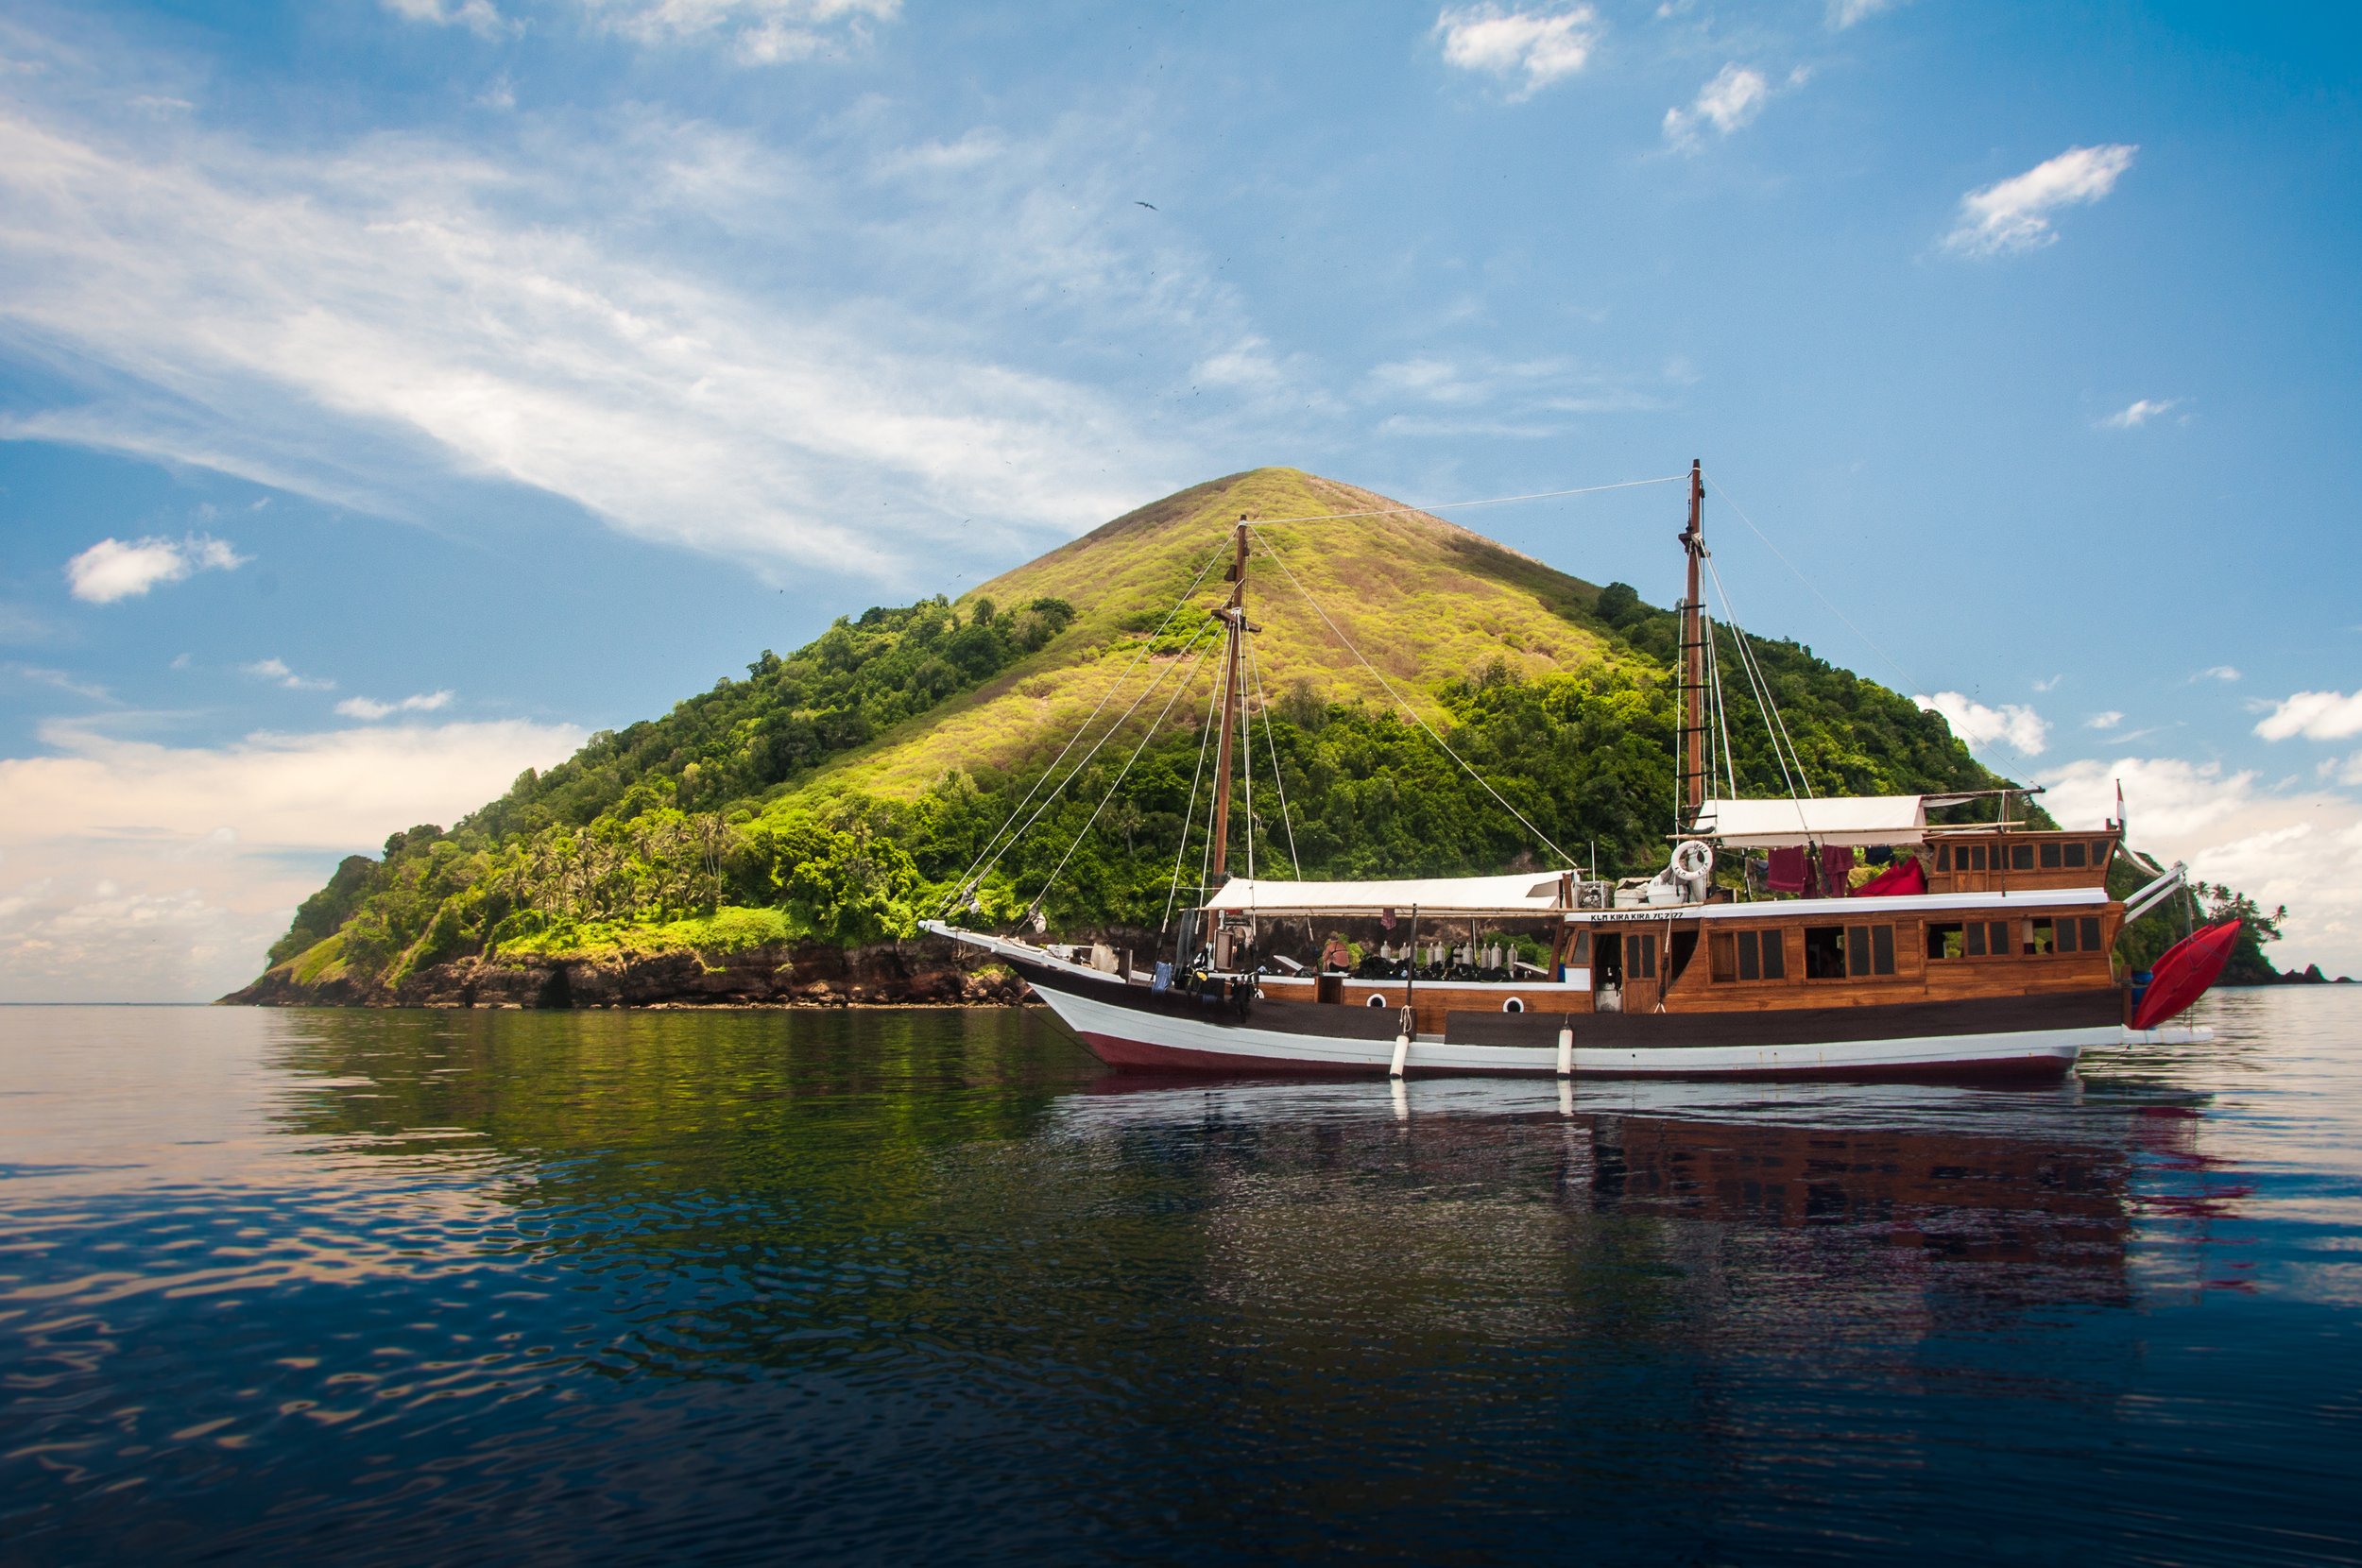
[972,877]
[1761,682]
[1189,817]
[1462,505]
[1908,679]
[1255,668]
[1053,796]
[1122,774]
[1416,717]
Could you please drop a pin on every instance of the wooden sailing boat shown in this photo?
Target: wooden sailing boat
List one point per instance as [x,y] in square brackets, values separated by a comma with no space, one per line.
[1985,950]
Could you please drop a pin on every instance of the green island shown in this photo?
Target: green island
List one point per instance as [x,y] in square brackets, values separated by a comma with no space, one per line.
[779,837]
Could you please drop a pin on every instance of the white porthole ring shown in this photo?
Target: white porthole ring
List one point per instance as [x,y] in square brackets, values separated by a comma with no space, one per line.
[1515,1004]
[1377,999]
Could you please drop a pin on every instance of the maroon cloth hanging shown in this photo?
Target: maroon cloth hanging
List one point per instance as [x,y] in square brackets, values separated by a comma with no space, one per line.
[1836,869]
[1784,869]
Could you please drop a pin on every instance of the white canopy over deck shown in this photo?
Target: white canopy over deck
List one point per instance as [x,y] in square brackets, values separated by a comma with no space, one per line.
[1537,893]
[1858,820]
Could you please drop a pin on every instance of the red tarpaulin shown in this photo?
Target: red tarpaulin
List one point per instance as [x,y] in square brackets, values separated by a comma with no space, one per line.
[1904,875]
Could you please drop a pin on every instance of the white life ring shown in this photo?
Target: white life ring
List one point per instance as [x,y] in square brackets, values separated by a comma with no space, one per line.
[1693,857]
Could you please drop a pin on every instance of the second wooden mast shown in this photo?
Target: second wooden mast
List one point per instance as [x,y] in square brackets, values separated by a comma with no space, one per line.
[1693,689]
[1234,615]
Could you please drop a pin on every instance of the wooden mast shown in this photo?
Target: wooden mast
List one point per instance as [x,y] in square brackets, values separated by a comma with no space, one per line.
[1235,614]
[1693,763]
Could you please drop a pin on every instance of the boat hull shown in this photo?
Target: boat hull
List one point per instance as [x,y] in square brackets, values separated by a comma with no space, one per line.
[1142,1040]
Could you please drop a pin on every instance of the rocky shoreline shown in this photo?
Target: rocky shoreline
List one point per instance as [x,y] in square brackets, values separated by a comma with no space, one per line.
[925,972]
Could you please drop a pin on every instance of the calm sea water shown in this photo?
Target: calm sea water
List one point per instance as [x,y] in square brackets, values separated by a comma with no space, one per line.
[932,1287]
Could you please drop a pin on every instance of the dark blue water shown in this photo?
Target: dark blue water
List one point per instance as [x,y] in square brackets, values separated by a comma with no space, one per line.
[929,1286]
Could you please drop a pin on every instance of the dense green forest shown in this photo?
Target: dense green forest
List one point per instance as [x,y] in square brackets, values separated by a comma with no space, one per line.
[724,824]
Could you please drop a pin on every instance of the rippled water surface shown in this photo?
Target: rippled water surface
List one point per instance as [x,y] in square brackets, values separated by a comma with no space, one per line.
[930,1285]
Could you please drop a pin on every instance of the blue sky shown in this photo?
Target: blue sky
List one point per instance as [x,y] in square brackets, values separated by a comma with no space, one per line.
[393,391]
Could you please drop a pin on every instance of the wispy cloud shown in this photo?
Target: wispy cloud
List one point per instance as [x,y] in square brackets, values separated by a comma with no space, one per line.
[477,16]
[113,569]
[762,32]
[2227,674]
[2024,730]
[2104,721]
[2315,715]
[1844,13]
[276,671]
[2139,412]
[2015,214]
[1533,48]
[61,680]
[370,708]
[235,308]
[1735,96]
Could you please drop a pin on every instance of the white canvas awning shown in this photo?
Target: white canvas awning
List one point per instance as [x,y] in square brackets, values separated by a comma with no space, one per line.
[1858,820]
[1529,892]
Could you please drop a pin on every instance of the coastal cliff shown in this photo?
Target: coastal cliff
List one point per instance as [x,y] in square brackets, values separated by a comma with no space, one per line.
[924,971]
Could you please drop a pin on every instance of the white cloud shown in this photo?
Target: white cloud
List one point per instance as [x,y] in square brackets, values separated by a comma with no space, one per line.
[2298,848]
[477,16]
[444,316]
[1735,96]
[1844,13]
[369,707]
[276,671]
[1541,46]
[2104,721]
[2015,214]
[61,680]
[134,871]
[2020,726]
[763,32]
[112,569]
[2315,715]
[2224,673]
[2135,414]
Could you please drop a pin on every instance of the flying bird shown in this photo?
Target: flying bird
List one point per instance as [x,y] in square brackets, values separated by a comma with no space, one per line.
[1150,205]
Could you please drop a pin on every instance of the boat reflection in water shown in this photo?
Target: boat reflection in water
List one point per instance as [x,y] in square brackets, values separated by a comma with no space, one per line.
[1500,1203]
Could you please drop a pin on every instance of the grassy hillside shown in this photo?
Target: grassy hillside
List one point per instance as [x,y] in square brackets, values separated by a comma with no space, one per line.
[834,794]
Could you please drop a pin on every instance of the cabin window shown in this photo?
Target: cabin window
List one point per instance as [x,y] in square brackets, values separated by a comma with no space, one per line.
[1748,955]
[1976,862]
[2099,853]
[2064,939]
[2021,857]
[1580,954]
[1825,952]
[1944,857]
[2074,853]
[2041,938]
[1946,938]
[1979,939]
[2088,927]
[2050,854]
[1869,951]
[1644,956]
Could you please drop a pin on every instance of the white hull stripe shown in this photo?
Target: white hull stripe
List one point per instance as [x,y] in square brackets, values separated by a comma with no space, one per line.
[1179,1032]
